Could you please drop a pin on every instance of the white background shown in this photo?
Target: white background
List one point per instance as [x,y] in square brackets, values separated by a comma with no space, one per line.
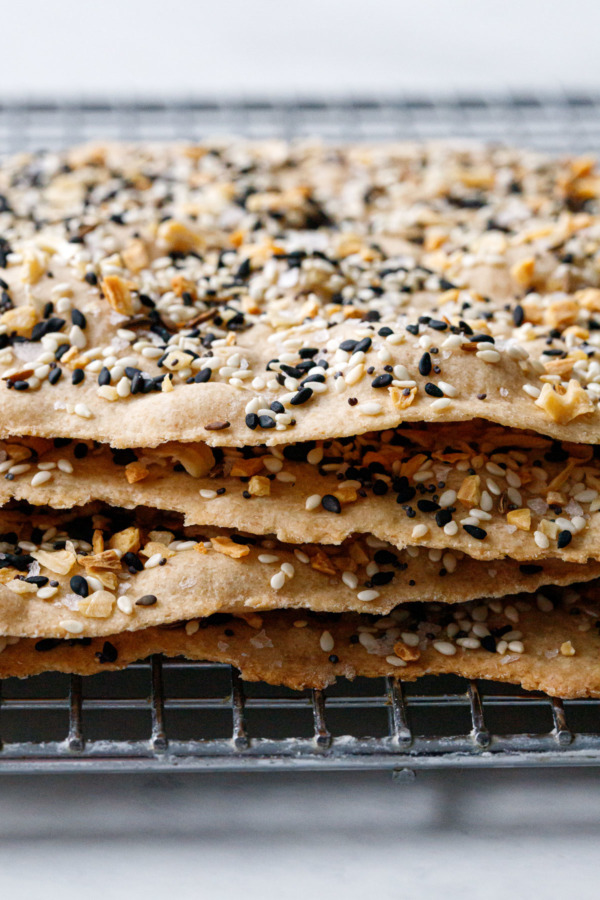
[296,46]
[457,835]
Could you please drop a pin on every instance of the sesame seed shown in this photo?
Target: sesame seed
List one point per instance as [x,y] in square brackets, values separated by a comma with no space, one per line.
[326,642]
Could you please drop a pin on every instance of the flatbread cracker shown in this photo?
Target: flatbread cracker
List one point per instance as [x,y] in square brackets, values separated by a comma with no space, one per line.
[555,650]
[182,289]
[486,491]
[76,589]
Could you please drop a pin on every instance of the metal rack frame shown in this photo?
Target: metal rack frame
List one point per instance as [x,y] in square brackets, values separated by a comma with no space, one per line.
[164,715]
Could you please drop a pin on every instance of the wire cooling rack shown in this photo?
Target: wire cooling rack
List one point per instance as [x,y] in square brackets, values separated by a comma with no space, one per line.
[165,714]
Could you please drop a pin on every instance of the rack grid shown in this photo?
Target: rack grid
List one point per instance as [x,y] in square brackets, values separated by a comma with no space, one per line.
[173,714]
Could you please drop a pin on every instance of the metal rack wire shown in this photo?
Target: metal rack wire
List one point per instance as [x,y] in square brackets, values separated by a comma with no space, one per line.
[162,714]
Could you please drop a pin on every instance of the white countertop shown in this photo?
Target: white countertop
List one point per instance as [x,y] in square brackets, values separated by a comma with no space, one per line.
[464,835]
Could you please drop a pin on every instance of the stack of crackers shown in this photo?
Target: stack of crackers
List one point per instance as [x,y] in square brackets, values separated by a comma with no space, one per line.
[312,411]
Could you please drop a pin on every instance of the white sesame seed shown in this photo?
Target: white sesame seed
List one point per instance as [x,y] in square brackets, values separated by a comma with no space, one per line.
[277,581]
[313,501]
[326,641]
[511,613]
[440,404]
[420,531]
[301,556]
[267,558]
[355,374]
[19,469]
[469,643]
[207,494]
[480,630]
[124,387]
[153,561]
[192,627]
[543,604]
[368,641]
[46,466]
[532,390]
[41,478]
[367,596]
[369,408]
[125,605]
[82,411]
[488,356]
[272,464]
[285,477]
[288,569]
[350,580]
[444,647]
[77,337]
[395,661]
[541,540]
[72,626]
[479,613]
[410,639]
[450,529]
[448,389]
[516,646]
[45,593]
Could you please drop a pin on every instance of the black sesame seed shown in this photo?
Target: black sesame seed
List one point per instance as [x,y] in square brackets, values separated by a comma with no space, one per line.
[564,539]
[266,421]
[381,381]
[104,376]
[425,364]
[77,376]
[109,653]
[55,375]
[252,421]
[79,585]
[476,532]
[427,506]
[47,644]
[78,318]
[301,397]
[379,579]
[442,517]
[331,503]
[202,376]
[433,390]
[146,600]
[518,315]
[363,345]
[132,561]
[488,643]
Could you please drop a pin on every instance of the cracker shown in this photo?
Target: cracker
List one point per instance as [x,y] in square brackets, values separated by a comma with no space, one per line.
[195,281]
[554,651]
[234,573]
[535,499]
